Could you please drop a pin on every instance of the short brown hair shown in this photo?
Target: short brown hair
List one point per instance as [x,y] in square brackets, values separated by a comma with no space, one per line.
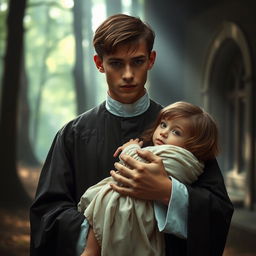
[121,29]
[203,142]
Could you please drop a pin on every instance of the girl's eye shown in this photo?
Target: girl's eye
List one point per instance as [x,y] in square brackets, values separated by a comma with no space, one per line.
[163,124]
[175,132]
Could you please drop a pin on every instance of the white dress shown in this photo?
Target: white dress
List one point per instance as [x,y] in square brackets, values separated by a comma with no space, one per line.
[126,226]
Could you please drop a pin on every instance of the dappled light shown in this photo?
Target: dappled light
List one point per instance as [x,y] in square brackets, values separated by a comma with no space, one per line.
[14,232]
[29,177]
[14,224]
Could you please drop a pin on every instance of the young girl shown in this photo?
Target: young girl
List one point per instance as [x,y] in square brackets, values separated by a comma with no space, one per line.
[184,136]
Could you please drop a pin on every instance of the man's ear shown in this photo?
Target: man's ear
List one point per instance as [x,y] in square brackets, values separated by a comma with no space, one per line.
[99,63]
[152,58]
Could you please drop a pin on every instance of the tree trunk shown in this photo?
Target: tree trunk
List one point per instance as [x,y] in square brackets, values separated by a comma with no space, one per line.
[92,86]
[12,192]
[26,155]
[79,57]
[43,76]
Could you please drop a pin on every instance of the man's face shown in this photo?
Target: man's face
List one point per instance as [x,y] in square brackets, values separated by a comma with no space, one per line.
[126,71]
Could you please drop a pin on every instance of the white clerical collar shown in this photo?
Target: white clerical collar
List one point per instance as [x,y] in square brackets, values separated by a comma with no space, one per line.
[128,110]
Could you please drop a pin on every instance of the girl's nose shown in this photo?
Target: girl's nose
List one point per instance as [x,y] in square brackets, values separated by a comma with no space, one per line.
[164,133]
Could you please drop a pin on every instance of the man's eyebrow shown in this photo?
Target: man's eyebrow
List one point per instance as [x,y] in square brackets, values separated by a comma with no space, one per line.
[133,58]
[115,59]
[139,57]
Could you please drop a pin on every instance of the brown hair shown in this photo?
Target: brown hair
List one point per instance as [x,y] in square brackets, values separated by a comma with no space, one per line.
[203,142]
[121,29]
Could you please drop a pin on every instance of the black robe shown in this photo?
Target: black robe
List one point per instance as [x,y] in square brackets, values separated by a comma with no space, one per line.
[82,154]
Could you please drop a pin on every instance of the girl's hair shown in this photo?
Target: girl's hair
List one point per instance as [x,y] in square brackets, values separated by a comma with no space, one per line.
[121,29]
[203,142]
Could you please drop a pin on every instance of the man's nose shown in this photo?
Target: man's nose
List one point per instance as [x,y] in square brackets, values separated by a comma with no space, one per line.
[128,74]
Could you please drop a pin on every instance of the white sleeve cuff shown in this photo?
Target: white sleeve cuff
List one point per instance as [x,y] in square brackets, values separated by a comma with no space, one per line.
[81,243]
[173,219]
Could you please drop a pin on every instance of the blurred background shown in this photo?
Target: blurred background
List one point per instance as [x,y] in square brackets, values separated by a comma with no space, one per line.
[206,54]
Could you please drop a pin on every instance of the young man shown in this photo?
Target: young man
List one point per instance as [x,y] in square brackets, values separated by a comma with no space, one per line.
[194,217]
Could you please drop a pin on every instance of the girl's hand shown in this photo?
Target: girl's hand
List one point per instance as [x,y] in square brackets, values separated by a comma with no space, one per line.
[131,141]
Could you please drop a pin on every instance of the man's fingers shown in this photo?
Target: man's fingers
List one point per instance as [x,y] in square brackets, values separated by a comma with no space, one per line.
[125,191]
[123,170]
[131,162]
[120,178]
[147,155]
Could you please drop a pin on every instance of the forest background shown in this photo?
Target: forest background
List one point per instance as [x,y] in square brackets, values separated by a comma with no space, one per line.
[47,77]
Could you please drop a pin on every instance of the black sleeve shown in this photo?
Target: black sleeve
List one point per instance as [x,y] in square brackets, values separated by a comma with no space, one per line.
[55,221]
[209,213]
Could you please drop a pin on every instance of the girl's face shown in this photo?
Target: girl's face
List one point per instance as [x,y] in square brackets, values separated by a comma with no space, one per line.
[172,132]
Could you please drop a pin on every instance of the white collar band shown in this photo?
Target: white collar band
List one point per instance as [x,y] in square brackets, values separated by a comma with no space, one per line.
[128,110]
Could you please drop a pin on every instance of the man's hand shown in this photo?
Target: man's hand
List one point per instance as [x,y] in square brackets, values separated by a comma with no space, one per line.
[147,181]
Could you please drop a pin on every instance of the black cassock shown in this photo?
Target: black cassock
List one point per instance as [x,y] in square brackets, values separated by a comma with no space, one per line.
[82,154]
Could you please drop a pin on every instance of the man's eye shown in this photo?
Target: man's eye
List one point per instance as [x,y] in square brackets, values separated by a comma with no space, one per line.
[175,132]
[116,64]
[138,62]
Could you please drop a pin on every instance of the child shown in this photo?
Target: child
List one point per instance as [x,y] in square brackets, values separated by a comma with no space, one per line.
[184,136]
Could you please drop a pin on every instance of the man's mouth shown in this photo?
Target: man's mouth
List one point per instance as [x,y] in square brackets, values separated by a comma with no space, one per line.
[128,86]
